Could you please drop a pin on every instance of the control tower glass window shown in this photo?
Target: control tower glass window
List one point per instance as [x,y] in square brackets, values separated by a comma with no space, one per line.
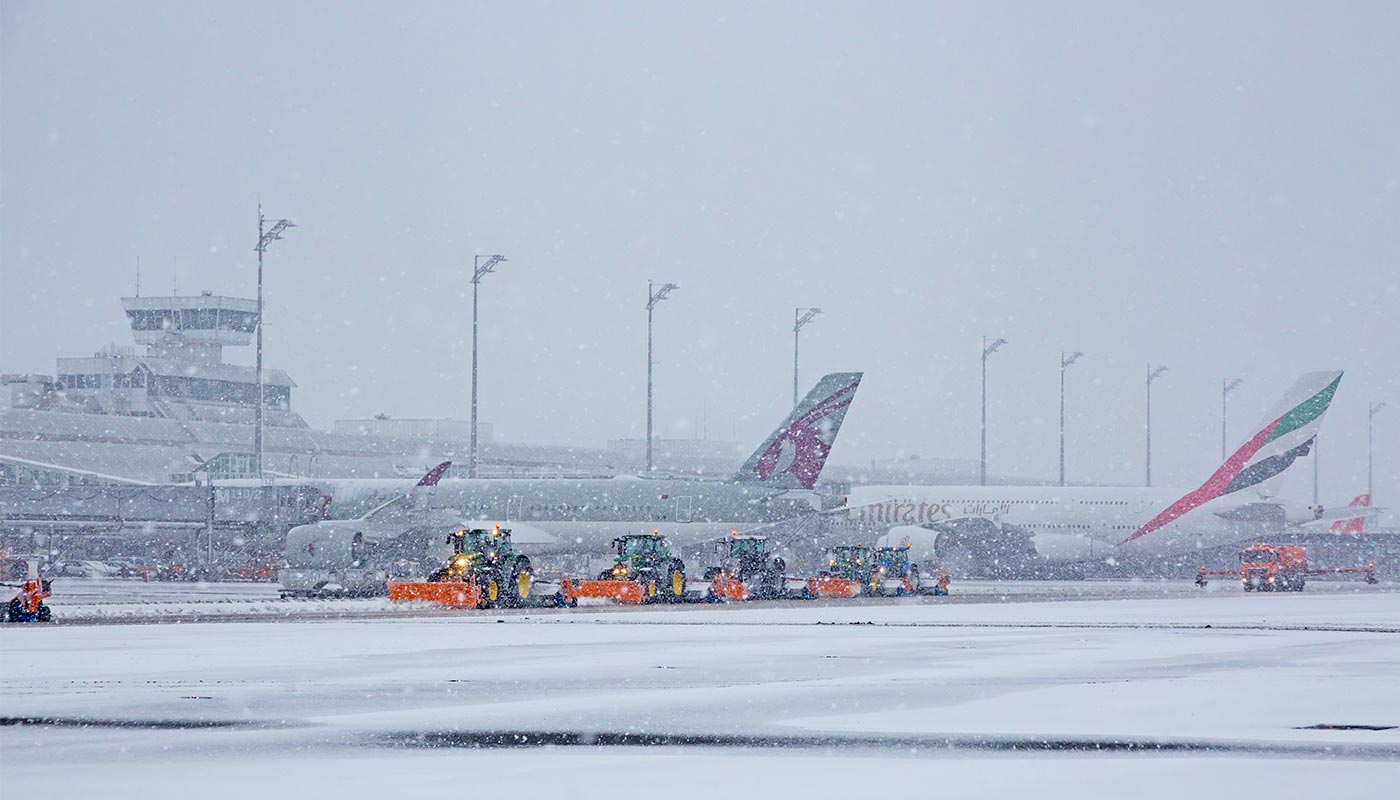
[150,320]
[199,319]
[241,321]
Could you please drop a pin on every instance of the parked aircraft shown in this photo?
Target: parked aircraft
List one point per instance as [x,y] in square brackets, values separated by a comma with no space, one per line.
[558,516]
[1012,529]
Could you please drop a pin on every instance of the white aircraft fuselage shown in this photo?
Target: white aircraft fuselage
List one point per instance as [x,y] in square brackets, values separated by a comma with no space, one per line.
[1071,523]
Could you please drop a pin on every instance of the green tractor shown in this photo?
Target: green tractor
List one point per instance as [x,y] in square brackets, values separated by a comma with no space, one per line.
[852,562]
[487,558]
[645,559]
[745,569]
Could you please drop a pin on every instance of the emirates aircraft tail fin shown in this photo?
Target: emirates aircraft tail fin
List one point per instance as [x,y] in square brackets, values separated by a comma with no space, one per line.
[1287,433]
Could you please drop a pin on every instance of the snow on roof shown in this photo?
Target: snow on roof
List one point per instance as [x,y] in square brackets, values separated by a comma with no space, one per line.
[169,367]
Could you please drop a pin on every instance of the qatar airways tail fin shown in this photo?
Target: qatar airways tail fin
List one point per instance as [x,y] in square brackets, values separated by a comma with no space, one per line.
[792,456]
[1287,432]
[1355,524]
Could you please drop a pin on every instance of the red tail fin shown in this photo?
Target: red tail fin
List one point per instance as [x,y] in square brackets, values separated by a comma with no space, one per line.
[1357,524]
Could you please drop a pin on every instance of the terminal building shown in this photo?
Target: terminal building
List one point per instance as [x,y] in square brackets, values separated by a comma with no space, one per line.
[112,444]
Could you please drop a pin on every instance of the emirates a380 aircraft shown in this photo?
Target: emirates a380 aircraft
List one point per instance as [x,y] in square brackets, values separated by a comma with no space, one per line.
[1017,525]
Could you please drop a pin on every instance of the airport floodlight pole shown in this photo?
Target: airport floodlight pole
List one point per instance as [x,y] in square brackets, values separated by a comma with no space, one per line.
[1065,360]
[654,296]
[480,269]
[1317,463]
[988,347]
[264,239]
[1371,447]
[1226,386]
[800,317]
[1152,375]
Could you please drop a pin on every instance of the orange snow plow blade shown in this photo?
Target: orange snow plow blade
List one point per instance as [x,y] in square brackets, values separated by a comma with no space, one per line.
[455,594]
[728,589]
[628,593]
[833,587]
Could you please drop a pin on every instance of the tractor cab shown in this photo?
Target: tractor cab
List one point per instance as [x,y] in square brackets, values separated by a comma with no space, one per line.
[744,568]
[475,549]
[892,562]
[639,545]
[637,553]
[851,561]
[744,555]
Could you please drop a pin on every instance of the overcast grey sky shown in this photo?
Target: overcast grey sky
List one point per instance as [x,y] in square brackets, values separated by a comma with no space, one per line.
[1211,186]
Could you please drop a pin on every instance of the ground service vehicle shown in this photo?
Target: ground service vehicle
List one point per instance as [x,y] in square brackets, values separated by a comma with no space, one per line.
[643,561]
[847,573]
[893,572]
[483,571]
[647,561]
[745,570]
[28,605]
[1268,568]
[1279,568]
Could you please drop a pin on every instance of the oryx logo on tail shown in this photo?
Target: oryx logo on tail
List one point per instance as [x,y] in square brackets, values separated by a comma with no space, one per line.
[792,456]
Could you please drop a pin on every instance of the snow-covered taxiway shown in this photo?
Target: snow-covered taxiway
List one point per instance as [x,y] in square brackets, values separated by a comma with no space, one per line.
[1166,692]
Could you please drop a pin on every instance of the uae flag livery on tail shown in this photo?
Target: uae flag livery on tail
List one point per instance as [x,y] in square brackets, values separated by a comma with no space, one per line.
[1289,432]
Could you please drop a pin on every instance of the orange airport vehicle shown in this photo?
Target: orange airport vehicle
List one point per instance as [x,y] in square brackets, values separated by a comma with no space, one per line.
[484,571]
[1279,568]
[28,605]
[644,571]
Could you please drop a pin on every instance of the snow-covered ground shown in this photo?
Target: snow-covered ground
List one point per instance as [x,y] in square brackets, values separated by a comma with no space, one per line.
[924,698]
[108,600]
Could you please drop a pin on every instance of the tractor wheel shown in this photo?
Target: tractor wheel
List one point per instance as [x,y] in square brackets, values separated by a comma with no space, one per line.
[673,583]
[914,582]
[522,579]
[771,585]
[45,613]
[492,588]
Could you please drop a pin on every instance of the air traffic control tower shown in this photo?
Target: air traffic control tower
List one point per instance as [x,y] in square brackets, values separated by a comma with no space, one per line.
[182,374]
